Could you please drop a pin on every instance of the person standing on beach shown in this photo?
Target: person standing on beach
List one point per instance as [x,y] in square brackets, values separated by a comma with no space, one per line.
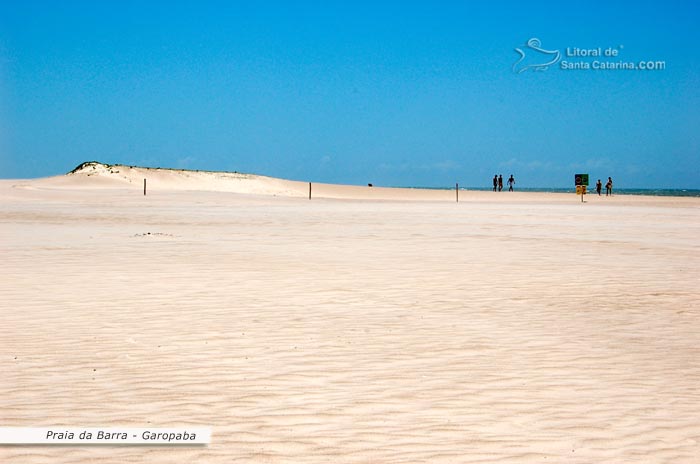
[598,186]
[511,181]
[608,187]
[495,182]
[500,182]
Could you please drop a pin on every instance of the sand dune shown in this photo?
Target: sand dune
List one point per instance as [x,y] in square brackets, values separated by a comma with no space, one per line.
[507,328]
[92,175]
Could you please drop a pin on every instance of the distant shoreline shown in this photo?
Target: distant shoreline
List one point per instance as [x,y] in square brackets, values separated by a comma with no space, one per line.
[656,192]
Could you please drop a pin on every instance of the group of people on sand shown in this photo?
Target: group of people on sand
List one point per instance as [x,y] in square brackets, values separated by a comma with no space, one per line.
[498,183]
[608,187]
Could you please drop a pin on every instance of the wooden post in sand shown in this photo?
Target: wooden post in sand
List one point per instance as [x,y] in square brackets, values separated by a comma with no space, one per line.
[457,191]
[144,186]
[309,190]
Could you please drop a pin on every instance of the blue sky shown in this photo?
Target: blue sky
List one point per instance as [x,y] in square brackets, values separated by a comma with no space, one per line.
[393,93]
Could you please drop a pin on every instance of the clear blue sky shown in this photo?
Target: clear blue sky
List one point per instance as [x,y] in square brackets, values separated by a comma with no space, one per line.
[394,93]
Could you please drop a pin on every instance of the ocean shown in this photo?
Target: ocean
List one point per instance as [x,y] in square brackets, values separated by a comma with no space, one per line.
[591,191]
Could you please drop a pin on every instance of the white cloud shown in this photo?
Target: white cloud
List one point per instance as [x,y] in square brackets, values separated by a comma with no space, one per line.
[592,164]
[185,163]
[444,165]
[529,165]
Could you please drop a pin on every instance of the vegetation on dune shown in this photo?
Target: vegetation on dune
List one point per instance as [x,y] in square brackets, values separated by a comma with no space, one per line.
[94,164]
[87,164]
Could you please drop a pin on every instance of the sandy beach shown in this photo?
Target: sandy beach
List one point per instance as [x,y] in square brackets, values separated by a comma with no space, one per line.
[367,325]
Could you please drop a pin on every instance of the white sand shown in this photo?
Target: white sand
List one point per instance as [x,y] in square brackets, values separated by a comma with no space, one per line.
[508,328]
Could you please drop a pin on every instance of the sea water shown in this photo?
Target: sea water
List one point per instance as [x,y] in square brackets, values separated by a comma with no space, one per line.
[591,191]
